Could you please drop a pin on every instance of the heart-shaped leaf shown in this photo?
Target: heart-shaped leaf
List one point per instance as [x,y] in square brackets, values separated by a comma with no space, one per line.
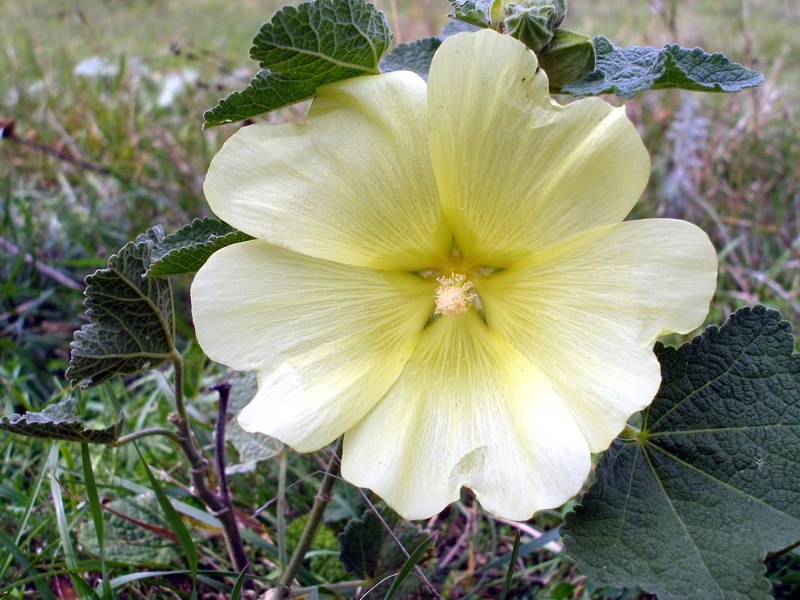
[689,507]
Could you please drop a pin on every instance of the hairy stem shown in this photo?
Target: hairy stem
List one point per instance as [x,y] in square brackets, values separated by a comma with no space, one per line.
[148,431]
[218,503]
[339,586]
[280,510]
[321,501]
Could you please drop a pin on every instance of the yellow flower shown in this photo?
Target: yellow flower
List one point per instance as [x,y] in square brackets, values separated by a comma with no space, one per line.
[441,273]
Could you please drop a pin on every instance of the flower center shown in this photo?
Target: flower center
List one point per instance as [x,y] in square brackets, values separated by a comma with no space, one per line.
[454,295]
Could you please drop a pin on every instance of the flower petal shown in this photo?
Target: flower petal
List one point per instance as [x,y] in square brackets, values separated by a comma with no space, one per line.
[587,312]
[518,172]
[468,410]
[354,184]
[327,340]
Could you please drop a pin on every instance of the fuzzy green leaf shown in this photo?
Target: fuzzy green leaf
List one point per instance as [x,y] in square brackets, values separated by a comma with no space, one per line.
[186,250]
[626,71]
[131,322]
[474,12]
[360,545]
[135,532]
[690,507]
[368,551]
[416,57]
[60,421]
[305,47]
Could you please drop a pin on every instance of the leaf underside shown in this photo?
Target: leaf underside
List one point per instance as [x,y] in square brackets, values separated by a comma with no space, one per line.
[131,318]
[626,71]
[474,12]
[186,250]
[690,508]
[305,47]
[416,57]
[60,421]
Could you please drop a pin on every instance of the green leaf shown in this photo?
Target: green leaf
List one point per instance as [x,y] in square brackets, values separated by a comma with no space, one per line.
[416,57]
[413,558]
[136,533]
[324,565]
[626,71]
[96,511]
[689,508]
[12,550]
[175,523]
[392,559]
[236,592]
[131,322]
[186,250]
[360,545]
[410,536]
[474,12]
[511,564]
[303,48]
[60,422]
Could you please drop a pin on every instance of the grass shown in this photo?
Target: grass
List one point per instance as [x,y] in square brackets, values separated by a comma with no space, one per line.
[96,161]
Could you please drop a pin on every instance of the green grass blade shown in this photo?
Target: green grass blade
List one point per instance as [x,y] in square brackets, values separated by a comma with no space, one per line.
[96,511]
[410,563]
[24,522]
[237,587]
[81,587]
[16,553]
[123,580]
[510,573]
[524,550]
[176,524]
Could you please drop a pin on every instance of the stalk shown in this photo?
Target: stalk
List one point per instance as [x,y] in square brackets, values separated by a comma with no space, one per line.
[321,501]
[218,503]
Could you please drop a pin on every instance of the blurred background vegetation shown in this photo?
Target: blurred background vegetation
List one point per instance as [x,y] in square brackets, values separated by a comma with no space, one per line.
[101,106]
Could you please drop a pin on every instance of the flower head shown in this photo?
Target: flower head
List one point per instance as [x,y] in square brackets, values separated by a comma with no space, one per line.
[443,275]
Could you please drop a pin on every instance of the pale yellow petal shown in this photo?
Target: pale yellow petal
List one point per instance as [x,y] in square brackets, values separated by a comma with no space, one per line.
[354,184]
[327,340]
[468,410]
[518,172]
[587,311]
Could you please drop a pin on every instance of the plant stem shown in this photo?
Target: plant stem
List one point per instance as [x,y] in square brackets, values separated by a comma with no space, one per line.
[630,433]
[218,503]
[148,431]
[233,538]
[321,501]
[280,510]
[333,587]
[223,389]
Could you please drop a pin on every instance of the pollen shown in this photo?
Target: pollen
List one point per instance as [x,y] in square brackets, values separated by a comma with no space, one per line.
[453,296]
